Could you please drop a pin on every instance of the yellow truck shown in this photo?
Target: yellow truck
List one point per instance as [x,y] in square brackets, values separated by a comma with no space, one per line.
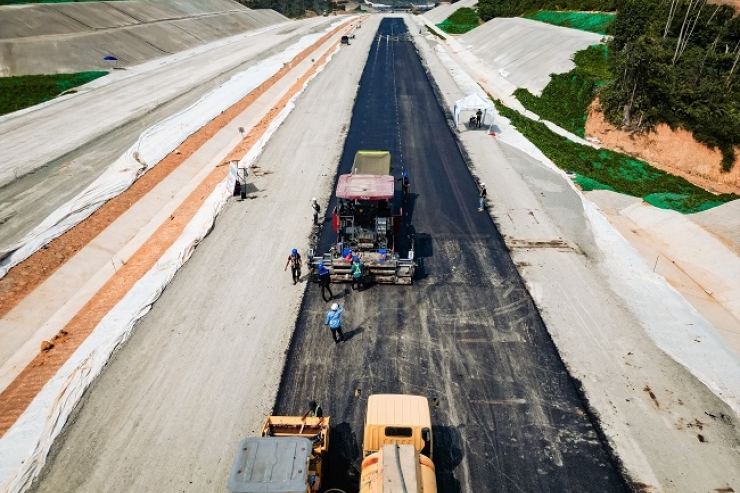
[397,447]
[287,457]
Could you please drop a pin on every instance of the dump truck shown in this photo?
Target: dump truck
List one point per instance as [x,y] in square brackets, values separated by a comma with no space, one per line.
[367,225]
[397,447]
[287,457]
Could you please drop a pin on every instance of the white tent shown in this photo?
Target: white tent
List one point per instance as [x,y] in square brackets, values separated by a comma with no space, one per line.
[473,102]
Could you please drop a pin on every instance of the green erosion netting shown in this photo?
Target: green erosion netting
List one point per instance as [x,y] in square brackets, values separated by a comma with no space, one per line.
[605,169]
[589,184]
[24,91]
[674,201]
[461,21]
[595,22]
[566,98]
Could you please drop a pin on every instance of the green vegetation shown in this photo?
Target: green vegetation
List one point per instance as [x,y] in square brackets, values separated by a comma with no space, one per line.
[566,98]
[488,9]
[461,21]
[677,63]
[595,22]
[21,92]
[604,169]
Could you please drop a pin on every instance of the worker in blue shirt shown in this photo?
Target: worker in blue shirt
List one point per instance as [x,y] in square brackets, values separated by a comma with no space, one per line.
[325,282]
[334,321]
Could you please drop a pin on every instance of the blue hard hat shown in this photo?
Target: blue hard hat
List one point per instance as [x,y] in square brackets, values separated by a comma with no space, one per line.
[295,251]
[321,265]
[355,258]
[404,174]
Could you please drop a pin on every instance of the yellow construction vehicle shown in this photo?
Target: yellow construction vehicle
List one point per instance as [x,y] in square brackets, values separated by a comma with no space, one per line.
[397,447]
[288,457]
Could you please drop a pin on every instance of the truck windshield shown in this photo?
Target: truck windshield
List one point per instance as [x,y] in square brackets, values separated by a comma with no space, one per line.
[399,431]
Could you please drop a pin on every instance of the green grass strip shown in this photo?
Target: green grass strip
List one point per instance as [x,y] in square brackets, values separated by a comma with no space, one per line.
[461,21]
[604,169]
[595,22]
[566,98]
[25,91]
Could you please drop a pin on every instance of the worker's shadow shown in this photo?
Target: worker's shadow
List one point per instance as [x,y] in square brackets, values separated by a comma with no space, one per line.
[356,331]
[423,249]
[448,454]
[342,470]
[408,208]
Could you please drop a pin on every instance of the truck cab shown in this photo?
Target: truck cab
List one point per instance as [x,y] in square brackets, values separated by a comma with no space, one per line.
[397,446]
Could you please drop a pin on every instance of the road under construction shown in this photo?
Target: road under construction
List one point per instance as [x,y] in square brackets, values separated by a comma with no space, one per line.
[466,334]
[231,340]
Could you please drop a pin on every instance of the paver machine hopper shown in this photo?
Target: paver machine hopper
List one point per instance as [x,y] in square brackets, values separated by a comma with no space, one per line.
[367,225]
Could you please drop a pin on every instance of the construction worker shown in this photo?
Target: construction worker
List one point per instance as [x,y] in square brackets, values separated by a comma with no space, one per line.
[478,115]
[294,261]
[313,411]
[316,210]
[325,282]
[334,321]
[482,197]
[356,269]
[405,185]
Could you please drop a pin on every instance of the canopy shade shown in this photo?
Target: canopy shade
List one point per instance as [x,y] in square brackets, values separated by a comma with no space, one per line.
[365,187]
[473,102]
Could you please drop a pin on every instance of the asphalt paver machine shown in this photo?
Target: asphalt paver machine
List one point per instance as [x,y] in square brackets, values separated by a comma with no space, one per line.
[367,225]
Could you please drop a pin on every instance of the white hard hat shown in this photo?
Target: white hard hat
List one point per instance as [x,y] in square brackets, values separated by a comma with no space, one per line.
[482,184]
[334,306]
[313,199]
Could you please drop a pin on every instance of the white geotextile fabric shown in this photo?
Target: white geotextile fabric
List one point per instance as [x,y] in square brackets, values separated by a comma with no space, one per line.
[675,326]
[152,146]
[668,319]
[23,449]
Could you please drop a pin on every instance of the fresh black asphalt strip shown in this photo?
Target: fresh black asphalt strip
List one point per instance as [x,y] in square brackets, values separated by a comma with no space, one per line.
[508,417]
